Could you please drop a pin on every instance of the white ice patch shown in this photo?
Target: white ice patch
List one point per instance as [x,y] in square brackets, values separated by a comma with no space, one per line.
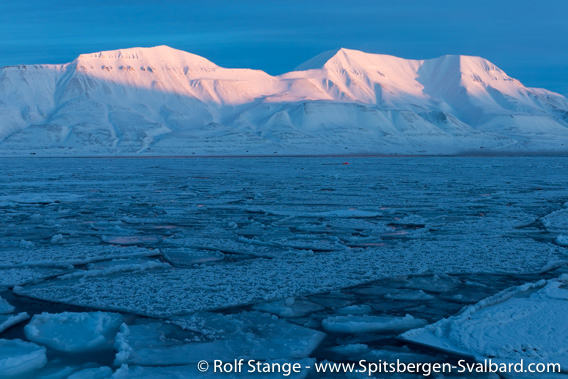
[289,307]
[409,295]
[526,322]
[74,332]
[432,283]
[184,256]
[38,198]
[371,324]
[7,321]
[247,335]
[92,373]
[131,240]
[64,256]
[339,213]
[116,266]
[20,359]
[5,307]
[562,240]
[556,221]
[10,277]
[354,310]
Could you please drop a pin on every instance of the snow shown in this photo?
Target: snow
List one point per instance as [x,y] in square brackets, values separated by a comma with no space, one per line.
[19,358]
[116,266]
[74,332]
[290,307]
[556,221]
[208,336]
[562,240]
[162,101]
[370,324]
[7,321]
[66,256]
[92,373]
[187,256]
[525,322]
[5,307]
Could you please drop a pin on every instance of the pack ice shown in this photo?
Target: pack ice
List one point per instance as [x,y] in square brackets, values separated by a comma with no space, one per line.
[526,322]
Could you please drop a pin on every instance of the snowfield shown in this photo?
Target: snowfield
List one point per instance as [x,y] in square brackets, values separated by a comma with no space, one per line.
[162,101]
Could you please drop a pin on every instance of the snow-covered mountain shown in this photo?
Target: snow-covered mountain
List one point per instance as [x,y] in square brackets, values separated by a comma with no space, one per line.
[162,101]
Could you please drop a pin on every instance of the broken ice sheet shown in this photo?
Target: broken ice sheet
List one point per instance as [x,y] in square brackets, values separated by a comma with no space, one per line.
[556,221]
[151,292]
[290,307]
[371,324]
[525,322]
[184,256]
[5,307]
[63,256]
[210,336]
[10,277]
[7,321]
[20,359]
[74,332]
[116,266]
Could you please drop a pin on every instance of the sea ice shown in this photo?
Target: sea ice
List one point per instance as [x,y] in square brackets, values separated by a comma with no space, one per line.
[64,256]
[5,307]
[199,288]
[556,221]
[116,266]
[19,358]
[371,324]
[525,322]
[10,277]
[289,307]
[7,321]
[92,373]
[74,332]
[207,336]
[184,256]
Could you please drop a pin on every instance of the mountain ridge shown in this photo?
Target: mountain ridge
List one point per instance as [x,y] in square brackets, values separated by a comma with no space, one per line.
[165,101]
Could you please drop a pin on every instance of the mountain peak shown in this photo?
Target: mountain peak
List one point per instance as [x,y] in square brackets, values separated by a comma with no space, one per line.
[154,56]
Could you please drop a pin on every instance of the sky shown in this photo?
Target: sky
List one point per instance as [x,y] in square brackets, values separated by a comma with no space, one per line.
[527,39]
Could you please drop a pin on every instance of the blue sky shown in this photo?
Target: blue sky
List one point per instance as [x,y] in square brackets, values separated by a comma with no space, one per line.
[527,39]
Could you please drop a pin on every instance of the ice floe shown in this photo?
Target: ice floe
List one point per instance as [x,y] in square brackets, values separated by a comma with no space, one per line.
[10,277]
[371,324]
[190,339]
[199,288]
[5,307]
[289,307]
[74,332]
[19,358]
[7,321]
[184,256]
[556,221]
[116,266]
[525,322]
[92,373]
[63,256]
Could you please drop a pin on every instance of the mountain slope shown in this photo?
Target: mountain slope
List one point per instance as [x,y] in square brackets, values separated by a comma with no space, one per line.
[168,102]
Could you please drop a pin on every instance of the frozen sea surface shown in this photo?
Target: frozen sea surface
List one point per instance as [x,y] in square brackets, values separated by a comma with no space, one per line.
[355,249]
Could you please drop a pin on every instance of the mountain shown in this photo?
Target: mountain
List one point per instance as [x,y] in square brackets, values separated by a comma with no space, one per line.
[162,101]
